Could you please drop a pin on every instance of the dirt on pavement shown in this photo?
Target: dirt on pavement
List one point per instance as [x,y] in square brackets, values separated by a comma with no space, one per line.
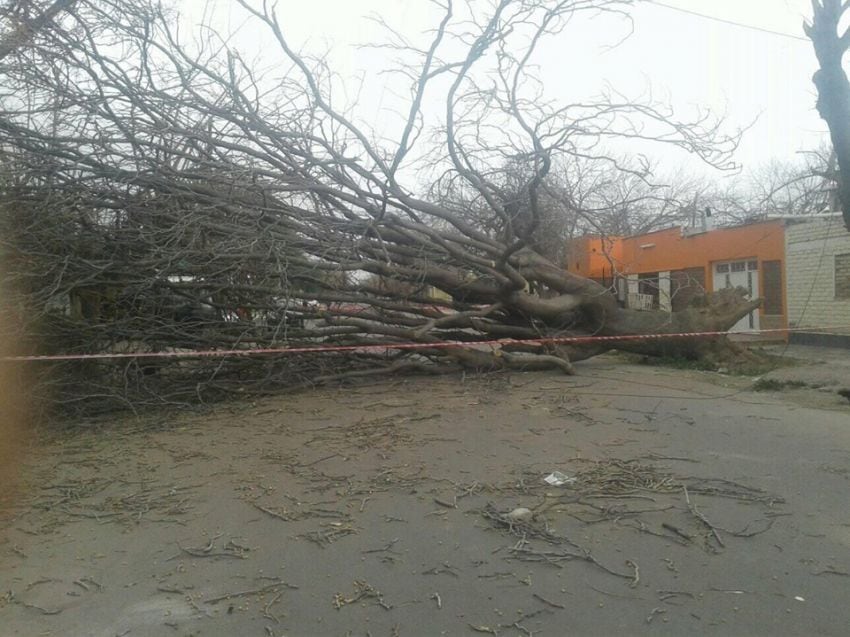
[419,507]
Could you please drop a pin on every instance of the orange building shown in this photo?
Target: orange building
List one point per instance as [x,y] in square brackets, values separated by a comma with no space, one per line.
[667,268]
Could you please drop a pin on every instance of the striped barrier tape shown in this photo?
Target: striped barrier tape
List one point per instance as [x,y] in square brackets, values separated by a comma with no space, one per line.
[317,349]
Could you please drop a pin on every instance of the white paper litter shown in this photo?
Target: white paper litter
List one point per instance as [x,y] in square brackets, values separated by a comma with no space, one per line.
[558,479]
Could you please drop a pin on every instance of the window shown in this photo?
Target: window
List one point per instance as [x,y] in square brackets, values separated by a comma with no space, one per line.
[739,266]
[648,285]
[722,268]
[753,265]
[842,277]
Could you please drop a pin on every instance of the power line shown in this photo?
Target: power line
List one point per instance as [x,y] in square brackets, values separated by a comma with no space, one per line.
[731,22]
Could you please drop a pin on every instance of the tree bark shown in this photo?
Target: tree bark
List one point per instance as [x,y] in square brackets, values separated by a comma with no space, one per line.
[833,88]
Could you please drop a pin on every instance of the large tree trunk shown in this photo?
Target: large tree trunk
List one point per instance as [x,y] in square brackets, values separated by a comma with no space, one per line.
[833,88]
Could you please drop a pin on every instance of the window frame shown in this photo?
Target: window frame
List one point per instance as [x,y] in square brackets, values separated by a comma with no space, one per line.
[835,258]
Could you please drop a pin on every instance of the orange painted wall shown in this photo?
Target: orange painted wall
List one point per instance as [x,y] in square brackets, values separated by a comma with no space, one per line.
[592,257]
[762,241]
[667,250]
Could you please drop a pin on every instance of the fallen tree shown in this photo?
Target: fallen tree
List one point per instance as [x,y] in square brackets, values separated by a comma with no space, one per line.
[160,196]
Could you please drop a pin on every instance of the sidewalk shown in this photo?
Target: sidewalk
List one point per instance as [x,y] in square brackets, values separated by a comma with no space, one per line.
[821,367]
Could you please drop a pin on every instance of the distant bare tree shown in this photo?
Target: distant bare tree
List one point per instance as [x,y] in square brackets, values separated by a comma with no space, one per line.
[582,196]
[780,188]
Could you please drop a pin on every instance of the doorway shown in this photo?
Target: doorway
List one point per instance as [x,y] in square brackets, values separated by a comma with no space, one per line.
[744,274]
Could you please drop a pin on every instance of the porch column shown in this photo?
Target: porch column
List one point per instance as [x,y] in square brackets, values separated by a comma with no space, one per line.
[665,292]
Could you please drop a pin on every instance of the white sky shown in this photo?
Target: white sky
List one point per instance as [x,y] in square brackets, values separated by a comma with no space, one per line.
[684,59]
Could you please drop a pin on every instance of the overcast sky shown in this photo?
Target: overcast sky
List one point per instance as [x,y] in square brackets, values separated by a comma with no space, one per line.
[682,58]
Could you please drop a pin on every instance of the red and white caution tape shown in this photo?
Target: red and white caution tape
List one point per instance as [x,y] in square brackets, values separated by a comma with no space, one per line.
[383,347]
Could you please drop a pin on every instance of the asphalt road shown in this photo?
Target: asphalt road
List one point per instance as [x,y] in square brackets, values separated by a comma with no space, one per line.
[697,507]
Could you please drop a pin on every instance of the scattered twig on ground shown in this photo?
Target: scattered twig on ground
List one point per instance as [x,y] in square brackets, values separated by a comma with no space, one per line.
[267,609]
[610,594]
[523,528]
[231,549]
[522,617]
[444,503]
[362,590]
[254,591]
[722,488]
[196,553]
[547,602]
[92,581]
[636,568]
[698,514]
[677,531]
[640,525]
[387,548]
[664,596]
[82,585]
[556,557]
[43,611]
[468,490]
[331,533]
[436,597]
[745,532]
[315,462]
[655,456]
[445,567]
[41,580]
[267,511]
[832,571]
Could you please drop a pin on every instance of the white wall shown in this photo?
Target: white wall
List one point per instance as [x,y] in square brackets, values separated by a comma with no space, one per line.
[665,292]
[810,249]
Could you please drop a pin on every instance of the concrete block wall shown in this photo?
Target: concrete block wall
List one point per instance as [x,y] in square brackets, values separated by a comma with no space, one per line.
[810,249]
